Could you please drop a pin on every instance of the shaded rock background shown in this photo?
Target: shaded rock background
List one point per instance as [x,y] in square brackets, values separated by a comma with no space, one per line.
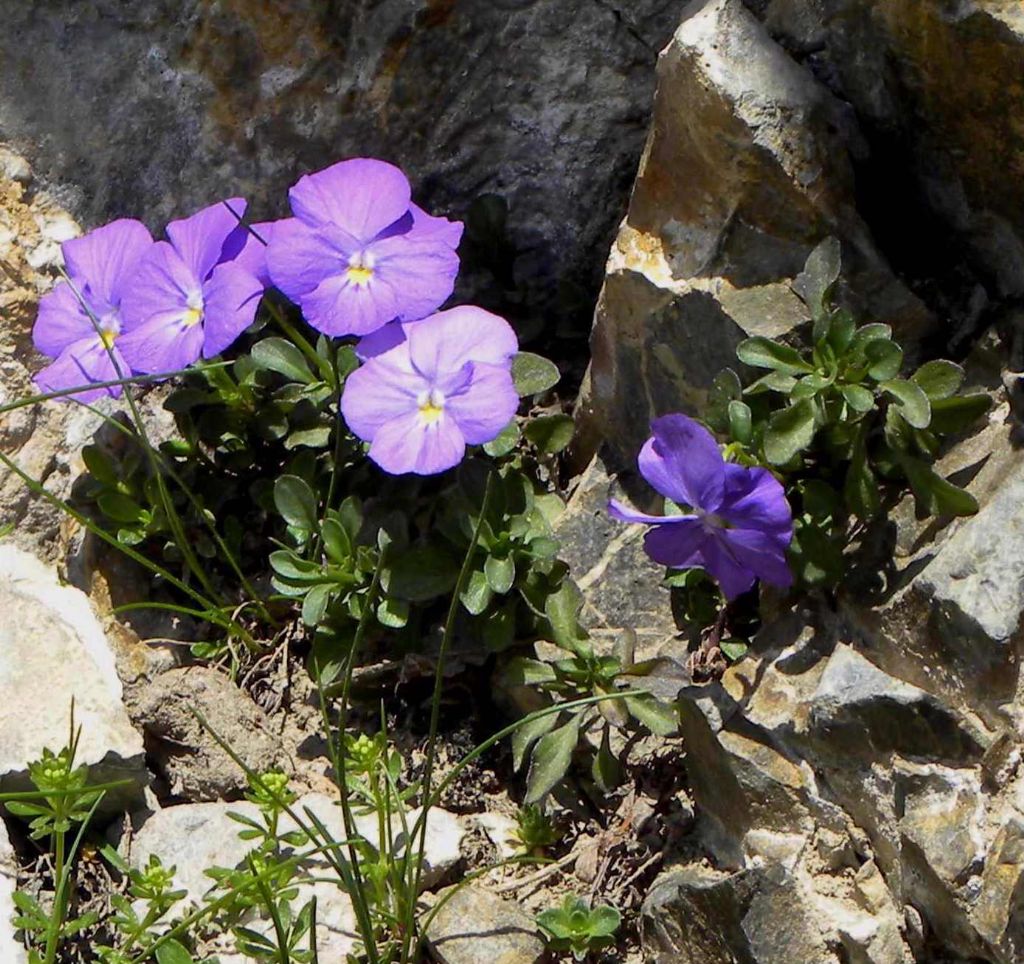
[153,109]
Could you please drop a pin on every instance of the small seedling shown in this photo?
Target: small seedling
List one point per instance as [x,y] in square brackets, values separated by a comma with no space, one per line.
[577,928]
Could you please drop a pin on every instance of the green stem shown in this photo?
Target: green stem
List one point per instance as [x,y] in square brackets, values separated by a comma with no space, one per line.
[300,341]
[435,717]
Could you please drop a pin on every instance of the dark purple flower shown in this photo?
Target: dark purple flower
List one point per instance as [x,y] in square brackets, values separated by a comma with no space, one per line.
[98,266]
[359,253]
[187,298]
[740,525]
[430,388]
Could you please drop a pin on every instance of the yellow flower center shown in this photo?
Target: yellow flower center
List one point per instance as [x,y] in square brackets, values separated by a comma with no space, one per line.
[360,269]
[192,317]
[431,405]
[107,337]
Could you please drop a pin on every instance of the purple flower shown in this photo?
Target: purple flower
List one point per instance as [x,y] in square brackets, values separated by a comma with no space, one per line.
[187,298]
[359,253]
[98,265]
[741,523]
[430,388]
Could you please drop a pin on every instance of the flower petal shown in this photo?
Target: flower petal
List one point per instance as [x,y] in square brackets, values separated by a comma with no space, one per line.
[622,512]
[410,443]
[248,249]
[422,273]
[338,306]
[200,239]
[486,404]
[385,339]
[230,300]
[161,345]
[83,362]
[682,461]
[677,545]
[734,577]
[763,553]
[300,257]
[755,499]
[159,288]
[446,341]
[426,227]
[61,321]
[102,258]
[377,393]
[361,195]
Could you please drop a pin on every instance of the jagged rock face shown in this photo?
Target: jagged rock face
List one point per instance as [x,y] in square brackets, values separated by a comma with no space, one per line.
[853,119]
[152,109]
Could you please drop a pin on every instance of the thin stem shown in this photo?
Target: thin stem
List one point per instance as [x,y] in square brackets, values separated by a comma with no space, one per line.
[435,714]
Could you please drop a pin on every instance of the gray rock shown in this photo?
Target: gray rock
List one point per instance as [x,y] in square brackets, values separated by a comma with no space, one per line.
[858,709]
[11,949]
[152,109]
[477,927]
[53,651]
[184,751]
[745,170]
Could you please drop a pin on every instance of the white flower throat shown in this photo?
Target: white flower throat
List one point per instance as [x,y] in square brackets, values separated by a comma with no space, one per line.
[194,311]
[359,271]
[431,405]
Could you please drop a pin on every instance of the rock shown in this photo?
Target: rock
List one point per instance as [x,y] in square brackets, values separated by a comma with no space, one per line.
[477,927]
[543,102]
[53,651]
[501,831]
[11,949]
[927,81]
[186,753]
[443,844]
[746,168]
[621,586]
[195,837]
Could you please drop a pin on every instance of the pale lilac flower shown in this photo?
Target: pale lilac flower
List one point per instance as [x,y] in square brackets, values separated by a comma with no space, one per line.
[430,388]
[187,298]
[740,524]
[359,253]
[248,249]
[86,348]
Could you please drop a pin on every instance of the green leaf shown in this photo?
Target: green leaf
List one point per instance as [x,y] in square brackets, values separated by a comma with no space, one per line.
[550,433]
[860,489]
[523,671]
[934,494]
[100,465]
[337,543]
[789,432]
[872,332]
[533,374]
[422,573]
[606,770]
[939,379]
[741,426]
[550,760]
[295,502]
[884,358]
[477,595]
[951,415]
[840,331]
[858,397]
[762,352]
[173,953]
[500,573]
[734,649]
[119,507]
[393,613]
[526,735]
[662,719]
[314,605]
[505,441]
[281,356]
[314,438]
[725,388]
[911,401]
[603,921]
[814,283]
[561,609]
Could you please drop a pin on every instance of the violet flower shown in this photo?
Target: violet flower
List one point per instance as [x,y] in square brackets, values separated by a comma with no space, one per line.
[430,388]
[187,298]
[359,253]
[740,525]
[86,348]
